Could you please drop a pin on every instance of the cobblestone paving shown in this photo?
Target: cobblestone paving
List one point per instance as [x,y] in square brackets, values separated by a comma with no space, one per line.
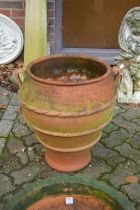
[114,158]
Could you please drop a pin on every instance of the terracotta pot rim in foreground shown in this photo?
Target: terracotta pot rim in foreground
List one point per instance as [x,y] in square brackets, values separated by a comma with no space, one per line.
[59,83]
[27,192]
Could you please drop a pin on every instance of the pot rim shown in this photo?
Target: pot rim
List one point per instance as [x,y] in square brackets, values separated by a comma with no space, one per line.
[60,83]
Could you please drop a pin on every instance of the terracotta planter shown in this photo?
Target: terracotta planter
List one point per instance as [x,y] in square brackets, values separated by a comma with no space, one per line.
[68,117]
[69,193]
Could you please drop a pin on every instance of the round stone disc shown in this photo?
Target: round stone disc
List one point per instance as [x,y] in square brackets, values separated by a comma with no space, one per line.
[11,40]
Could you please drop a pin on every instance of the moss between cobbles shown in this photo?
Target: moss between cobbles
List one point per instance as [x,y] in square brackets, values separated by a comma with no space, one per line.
[5,155]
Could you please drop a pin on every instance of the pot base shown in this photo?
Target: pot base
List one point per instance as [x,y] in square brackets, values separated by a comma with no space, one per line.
[68,161]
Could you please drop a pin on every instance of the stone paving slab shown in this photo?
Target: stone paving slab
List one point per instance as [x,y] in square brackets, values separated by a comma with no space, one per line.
[2,144]
[121,171]
[10,113]
[6,127]
[114,158]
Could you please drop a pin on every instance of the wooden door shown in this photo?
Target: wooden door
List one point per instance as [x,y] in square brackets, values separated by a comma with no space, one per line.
[93,24]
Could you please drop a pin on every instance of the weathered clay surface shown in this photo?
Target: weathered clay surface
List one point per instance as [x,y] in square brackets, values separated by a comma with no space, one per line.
[80,202]
[113,159]
[71,101]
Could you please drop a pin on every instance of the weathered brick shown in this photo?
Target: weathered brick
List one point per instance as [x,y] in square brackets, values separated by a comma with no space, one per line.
[52,47]
[51,37]
[51,21]
[51,29]
[11,4]
[23,29]
[7,12]
[51,5]
[51,13]
[20,20]
[18,13]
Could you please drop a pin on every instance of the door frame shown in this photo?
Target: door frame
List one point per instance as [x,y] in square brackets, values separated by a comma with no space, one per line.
[105,54]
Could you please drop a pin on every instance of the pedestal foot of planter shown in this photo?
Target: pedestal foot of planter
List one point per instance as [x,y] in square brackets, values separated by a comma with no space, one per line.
[68,161]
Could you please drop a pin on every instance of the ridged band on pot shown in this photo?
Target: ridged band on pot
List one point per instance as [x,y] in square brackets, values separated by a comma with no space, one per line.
[61,132]
[74,123]
[68,117]
[77,144]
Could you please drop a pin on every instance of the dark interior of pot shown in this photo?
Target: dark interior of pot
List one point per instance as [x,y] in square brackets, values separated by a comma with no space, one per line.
[68,69]
[68,196]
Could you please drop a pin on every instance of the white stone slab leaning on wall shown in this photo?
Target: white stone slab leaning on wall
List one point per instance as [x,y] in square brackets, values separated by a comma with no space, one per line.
[11,40]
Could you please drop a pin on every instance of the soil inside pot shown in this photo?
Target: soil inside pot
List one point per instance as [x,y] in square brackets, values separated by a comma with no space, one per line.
[72,75]
[68,69]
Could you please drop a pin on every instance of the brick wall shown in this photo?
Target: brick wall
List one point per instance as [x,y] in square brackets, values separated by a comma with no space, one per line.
[51,25]
[15,9]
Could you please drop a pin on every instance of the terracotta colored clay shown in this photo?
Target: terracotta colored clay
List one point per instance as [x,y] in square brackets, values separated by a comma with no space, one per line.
[79,202]
[68,110]
[132,179]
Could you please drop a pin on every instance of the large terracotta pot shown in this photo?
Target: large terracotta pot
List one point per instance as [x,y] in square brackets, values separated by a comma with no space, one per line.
[67,117]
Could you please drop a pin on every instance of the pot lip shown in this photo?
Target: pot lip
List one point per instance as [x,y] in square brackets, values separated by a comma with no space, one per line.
[66,179]
[60,83]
